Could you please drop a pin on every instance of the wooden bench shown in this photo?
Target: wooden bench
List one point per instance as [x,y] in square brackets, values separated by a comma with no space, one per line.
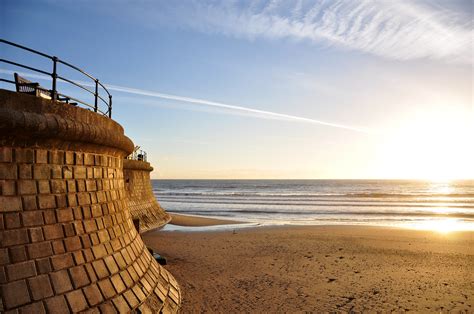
[28,87]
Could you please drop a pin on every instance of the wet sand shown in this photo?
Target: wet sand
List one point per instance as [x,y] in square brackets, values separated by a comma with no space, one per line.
[320,268]
[195,221]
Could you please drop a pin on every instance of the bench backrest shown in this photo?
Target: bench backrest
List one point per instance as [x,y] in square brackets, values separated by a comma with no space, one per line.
[23,85]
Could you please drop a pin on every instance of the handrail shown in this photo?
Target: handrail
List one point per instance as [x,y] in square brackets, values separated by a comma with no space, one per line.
[54,75]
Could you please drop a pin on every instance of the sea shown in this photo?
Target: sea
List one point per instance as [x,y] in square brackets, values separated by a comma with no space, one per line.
[443,206]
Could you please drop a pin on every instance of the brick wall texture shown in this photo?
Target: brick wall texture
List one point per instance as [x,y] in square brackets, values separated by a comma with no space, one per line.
[140,199]
[67,240]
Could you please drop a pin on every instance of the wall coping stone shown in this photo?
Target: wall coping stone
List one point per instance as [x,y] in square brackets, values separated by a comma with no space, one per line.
[137,165]
[29,121]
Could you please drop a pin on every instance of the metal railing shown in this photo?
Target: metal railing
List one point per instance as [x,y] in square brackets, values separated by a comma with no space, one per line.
[55,77]
[138,154]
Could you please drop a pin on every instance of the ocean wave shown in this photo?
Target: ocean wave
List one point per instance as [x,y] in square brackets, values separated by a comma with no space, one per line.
[315,195]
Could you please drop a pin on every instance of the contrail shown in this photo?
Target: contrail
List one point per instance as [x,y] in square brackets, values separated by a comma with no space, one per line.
[204,102]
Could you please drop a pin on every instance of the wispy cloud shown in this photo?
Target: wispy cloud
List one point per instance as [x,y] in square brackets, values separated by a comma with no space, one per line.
[208,103]
[395,29]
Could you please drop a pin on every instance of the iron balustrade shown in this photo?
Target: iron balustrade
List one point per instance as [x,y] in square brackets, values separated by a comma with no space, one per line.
[55,77]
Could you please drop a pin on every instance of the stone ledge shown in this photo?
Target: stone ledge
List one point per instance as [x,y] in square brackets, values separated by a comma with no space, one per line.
[137,165]
[30,121]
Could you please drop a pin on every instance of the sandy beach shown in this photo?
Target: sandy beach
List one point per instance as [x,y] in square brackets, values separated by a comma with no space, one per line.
[320,268]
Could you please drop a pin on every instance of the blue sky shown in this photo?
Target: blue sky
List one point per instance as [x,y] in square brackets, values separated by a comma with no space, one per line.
[238,89]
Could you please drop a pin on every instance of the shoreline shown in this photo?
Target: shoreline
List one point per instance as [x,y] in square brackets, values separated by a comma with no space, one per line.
[199,221]
[320,268]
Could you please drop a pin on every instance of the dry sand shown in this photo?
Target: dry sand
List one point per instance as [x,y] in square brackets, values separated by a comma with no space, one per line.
[320,268]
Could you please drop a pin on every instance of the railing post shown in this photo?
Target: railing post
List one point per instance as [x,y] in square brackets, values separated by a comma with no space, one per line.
[96,94]
[110,106]
[54,76]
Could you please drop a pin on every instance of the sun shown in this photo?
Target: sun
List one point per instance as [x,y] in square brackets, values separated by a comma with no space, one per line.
[435,145]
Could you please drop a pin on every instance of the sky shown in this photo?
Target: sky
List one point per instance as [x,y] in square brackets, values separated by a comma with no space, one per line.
[270,89]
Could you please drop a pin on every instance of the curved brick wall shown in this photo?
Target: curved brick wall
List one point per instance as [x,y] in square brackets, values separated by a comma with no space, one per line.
[67,241]
[141,201]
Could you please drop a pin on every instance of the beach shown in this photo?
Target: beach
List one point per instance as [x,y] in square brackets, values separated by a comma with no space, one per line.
[319,268]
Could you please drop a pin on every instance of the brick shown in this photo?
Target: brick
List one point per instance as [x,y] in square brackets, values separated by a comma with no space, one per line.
[58,186]
[71,186]
[4,257]
[73,244]
[67,172]
[25,171]
[17,254]
[64,215]
[107,308]
[7,187]
[118,283]
[107,289]
[36,234]
[41,156]
[40,249]
[15,294]
[111,264]
[69,229]
[90,225]
[46,201]
[93,295]
[56,172]
[131,298]
[56,157]
[71,200]
[14,237]
[91,185]
[79,277]
[27,187]
[40,287]
[61,282]
[62,261]
[83,199]
[21,270]
[12,220]
[79,172]
[41,172]
[121,304]
[8,172]
[79,158]
[3,277]
[5,154]
[127,279]
[43,266]
[88,159]
[99,251]
[29,202]
[76,301]
[58,247]
[100,268]
[37,308]
[49,217]
[91,272]
[53,232]
[32,218]
[24,156]
[10,203]
[43,187]
[69,158]
[57,304]
[79,258]
[61,200]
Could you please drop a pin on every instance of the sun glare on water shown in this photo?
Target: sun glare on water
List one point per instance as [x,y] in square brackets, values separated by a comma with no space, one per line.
[443,225]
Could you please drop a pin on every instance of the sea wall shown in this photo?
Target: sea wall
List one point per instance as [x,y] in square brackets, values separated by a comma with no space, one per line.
[67,240]
[140,199]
